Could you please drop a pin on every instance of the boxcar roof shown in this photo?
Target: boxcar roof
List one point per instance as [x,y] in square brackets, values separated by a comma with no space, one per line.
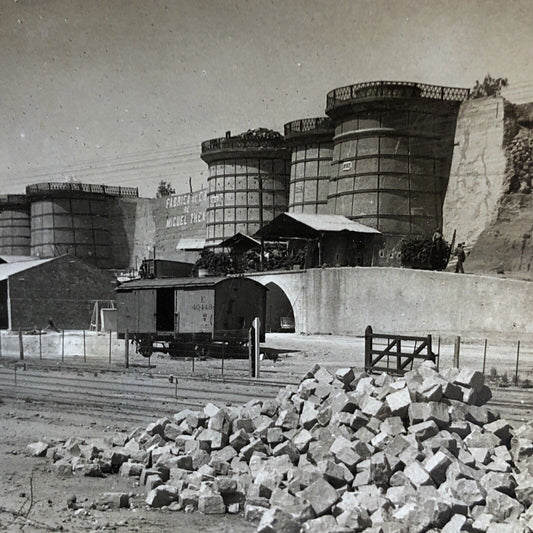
[177,283]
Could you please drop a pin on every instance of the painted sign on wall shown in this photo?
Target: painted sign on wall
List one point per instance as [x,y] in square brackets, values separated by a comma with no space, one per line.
[177,217]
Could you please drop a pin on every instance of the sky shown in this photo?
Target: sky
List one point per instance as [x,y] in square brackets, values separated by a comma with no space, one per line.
[123,92]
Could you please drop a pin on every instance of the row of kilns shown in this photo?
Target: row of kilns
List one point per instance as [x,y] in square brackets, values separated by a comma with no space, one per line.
[392,152]
[247,183]
[382,157]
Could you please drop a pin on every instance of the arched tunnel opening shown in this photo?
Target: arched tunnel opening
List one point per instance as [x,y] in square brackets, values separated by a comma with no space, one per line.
[279,312]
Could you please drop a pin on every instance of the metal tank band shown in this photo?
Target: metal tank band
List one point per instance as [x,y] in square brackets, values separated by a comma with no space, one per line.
[247,183]
[392,152]
[14,225]
[311,142]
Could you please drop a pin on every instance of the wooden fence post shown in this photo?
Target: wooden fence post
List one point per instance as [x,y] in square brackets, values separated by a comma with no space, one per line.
[40,345]
[62,345]
[109,346]
[517,357]
[127,347]
[84,348]
[368,348]
[257,346]
[456,351]
[484,356]
[251,351]
[21,345]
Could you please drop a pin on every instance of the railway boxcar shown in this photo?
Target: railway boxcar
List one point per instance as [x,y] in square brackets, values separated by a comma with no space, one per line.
[180,314]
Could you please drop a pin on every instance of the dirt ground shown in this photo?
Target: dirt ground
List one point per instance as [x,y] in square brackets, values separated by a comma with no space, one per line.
[33,497]
[21,424]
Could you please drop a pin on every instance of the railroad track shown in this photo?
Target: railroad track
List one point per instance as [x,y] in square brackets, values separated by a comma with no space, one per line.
[131,395]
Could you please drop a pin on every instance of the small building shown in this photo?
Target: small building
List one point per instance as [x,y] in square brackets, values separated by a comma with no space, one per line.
[62,289]
[326,240]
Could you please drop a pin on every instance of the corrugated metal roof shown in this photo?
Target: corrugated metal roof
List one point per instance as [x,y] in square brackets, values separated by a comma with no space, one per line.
[10,269]
[170,282]
[15,258]
[238,238]
[189,243]
[179,283]
[289,225]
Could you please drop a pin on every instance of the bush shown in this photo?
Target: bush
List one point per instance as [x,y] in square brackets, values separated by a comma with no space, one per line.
[489,87]
[424,253]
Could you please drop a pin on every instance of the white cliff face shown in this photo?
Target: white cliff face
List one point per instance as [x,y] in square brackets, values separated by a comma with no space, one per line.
[477,175]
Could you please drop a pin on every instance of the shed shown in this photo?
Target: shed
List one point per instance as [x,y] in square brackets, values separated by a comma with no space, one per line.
[332,240]
[63,289]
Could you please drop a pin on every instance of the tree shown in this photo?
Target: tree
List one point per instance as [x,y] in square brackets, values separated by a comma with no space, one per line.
[490,87]
[164,189]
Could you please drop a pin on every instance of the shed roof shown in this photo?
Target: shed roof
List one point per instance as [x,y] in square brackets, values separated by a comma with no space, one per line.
[10,269]
[177,283]
[240,238]
[304,225]
[15,258]
[190,243]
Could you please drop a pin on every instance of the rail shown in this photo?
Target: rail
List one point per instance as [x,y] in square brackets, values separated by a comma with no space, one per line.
[110,190]
[395,89]
[305,125]
[231,143]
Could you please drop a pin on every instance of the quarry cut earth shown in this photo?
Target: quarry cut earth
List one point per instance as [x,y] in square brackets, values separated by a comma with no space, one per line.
[340,452]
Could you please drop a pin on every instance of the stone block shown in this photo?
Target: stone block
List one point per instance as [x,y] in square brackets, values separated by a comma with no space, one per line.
[131,469]
[321,495]
[161,496]
[345,375]
[437,465]
[253,513]
[287,448]
[380,470]
[470,378]
[239,439]
[456,523]
[37,449]
[424,430]
[322,524]
[115,500]
[188,499]
[211,503]
[502,507]
[277,521]
[417,474]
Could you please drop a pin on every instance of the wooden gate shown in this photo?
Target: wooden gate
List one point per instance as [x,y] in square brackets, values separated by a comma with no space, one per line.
[395,354]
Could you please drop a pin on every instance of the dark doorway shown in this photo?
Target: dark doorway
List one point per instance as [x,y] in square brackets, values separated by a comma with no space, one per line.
[165,310]
[4,317]
[279,312]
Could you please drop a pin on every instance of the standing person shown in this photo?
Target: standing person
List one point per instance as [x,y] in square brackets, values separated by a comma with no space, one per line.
[461,256]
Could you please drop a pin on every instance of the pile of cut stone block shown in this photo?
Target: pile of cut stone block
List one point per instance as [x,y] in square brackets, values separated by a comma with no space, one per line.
[338,453]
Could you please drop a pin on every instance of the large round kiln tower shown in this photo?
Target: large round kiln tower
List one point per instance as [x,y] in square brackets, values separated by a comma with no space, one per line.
[247,183]
[75,219]
[14,225]
[392,152]
[311,142]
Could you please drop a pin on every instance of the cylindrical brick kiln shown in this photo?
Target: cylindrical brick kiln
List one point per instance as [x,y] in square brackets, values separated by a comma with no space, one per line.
[392,152]
[247,183]
[14,225]
[73,218]
[311,142]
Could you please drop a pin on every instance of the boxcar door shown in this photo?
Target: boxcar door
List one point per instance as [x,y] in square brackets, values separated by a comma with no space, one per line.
[194,311]
[127,311]
[146,310]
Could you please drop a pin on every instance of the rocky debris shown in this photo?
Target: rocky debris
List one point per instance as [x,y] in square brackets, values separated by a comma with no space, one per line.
[38,449]
[339,452]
